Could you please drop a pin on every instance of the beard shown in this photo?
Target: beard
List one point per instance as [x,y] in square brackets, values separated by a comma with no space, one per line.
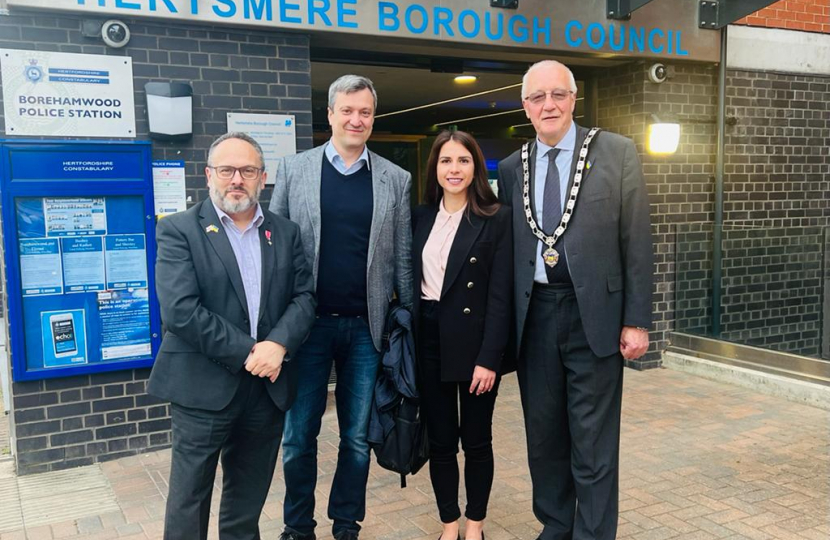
[231,206]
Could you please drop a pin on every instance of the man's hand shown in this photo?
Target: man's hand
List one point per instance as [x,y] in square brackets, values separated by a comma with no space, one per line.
[265,360]
[633,342]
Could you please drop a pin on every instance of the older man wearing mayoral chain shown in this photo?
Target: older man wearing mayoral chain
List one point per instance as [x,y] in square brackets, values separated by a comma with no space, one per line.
[583,262]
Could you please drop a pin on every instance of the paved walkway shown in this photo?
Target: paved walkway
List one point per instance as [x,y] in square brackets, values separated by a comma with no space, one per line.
[700,460]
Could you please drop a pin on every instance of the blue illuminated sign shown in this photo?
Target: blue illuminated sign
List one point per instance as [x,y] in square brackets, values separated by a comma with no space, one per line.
[654,30]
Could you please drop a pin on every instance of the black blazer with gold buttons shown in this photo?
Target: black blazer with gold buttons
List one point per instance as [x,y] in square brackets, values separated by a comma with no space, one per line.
[475,307]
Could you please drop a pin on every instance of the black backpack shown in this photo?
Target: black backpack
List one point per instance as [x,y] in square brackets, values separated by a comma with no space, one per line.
[397,432]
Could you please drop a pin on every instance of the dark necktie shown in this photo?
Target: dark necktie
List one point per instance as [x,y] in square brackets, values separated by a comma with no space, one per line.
[551,216]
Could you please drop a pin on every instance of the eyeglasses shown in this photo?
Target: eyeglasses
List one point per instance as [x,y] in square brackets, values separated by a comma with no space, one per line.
[537,98]
[226,172]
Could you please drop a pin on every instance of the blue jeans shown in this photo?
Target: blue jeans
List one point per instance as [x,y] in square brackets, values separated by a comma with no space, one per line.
[348,342]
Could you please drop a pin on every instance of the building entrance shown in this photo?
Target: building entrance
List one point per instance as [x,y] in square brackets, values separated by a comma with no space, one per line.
[420,97]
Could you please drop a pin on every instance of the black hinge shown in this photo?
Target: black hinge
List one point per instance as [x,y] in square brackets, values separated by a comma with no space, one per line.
[707,14]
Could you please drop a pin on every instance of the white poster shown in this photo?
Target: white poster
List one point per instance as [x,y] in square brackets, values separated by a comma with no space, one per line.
[275,133]
[67,94]
[169,187]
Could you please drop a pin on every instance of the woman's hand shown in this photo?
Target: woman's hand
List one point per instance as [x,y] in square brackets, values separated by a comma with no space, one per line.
[483,380]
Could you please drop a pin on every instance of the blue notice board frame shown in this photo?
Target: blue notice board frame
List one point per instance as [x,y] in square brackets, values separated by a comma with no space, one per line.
[63,204]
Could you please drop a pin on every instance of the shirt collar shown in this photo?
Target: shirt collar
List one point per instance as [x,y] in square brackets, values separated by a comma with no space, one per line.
[455,217]
[333,155]
[228,220]
[567,143]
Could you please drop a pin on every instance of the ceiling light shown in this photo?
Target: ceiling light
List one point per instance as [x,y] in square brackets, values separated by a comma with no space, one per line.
[465,79]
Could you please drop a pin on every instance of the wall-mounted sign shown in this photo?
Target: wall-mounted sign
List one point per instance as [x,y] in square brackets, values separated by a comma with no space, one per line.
[275,133]
[660,29]
[169,187]
[67,95]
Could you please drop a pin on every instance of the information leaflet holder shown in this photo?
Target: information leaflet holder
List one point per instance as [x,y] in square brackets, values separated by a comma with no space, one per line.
[79,244]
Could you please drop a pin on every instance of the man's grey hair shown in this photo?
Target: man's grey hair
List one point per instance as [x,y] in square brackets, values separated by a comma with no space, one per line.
[348,84]
[242,137]
[548,63]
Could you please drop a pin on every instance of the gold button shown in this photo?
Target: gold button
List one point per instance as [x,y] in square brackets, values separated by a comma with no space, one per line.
[473,260]
[470,285]
[466,311]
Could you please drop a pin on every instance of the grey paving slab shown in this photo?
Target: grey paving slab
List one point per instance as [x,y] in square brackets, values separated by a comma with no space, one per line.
[11,515]
[700,460]
[53,497]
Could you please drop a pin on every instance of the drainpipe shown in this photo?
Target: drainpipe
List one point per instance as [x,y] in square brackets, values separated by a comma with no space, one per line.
[717,236]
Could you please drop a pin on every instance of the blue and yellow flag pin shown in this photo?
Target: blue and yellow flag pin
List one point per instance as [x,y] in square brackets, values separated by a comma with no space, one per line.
[212,228]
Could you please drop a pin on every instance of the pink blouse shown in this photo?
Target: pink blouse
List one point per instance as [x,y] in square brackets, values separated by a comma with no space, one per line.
[437,251]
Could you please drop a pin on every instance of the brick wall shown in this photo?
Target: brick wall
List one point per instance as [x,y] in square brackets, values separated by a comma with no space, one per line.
[76,421]
[777,150]
[79,420]
[773,290]
[808,15]
[692,279]
[777,207]
[680,186]
[776,201]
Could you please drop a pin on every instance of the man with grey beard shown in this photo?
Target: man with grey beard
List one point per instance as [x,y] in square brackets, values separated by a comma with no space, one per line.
[236,296]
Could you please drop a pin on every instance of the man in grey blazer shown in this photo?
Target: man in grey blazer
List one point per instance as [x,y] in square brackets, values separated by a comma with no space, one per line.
[353,210]
[583,261]
[236,300]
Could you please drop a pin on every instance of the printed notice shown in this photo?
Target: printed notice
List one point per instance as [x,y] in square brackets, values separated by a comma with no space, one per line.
[126,261]
[169,187]
[275,133]
[75,216]
[40,267]
[64,338]
[125,324]
[83,264]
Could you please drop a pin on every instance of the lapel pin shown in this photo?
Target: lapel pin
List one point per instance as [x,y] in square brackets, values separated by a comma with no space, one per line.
[268,237]
[212,228]
[588,165]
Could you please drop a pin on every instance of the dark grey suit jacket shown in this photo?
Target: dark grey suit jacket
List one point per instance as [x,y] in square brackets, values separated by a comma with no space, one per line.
[205,313]
[608,241]
[389,268]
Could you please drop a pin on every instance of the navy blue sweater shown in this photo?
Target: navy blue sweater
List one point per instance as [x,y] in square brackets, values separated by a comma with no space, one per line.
[346,221]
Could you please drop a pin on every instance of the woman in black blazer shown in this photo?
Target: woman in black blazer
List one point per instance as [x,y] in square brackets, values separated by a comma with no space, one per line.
[463,276]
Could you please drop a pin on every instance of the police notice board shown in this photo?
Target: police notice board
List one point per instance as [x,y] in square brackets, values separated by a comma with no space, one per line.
[79,248]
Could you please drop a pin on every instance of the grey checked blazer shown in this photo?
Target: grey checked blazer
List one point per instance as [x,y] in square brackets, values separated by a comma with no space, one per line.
[389,268]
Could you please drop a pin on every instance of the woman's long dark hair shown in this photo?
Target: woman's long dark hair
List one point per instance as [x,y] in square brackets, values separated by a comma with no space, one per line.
[481,200]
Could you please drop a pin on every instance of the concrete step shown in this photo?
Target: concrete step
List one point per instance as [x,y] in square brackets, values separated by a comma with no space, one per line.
[792,389]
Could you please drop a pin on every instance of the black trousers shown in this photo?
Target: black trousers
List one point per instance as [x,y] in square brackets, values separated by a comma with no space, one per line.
[247,435]
[572,401]
[440,403]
